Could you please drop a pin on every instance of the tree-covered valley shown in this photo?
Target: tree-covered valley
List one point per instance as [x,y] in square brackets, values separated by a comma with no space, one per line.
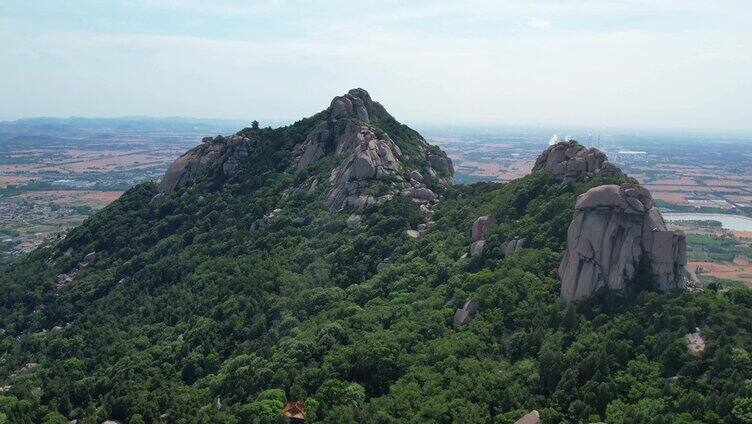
[245,287]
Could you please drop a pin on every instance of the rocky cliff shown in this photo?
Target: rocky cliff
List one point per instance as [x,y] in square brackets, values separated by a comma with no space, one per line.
[568,159]
[374,168]
[612,228]
[379,156]
[222,154]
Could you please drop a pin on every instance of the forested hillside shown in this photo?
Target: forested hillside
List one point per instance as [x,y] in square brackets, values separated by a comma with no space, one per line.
[230,296]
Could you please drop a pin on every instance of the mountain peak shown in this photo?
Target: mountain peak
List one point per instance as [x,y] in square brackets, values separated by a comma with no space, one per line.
[567,160]
[380,156]
[357,102]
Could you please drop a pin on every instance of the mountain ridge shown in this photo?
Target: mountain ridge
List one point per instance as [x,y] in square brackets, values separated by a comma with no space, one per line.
[374,167]
[231,295]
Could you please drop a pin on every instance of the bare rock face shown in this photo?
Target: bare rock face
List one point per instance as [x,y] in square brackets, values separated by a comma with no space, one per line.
[479,227]
[357,102]
[222,153]
[695,342]
[89,258]
[476,248]
[568,159]
[368,157]
[353,220]
[371,158]
[533,417]
[612,227]
[463,315]
[511,246]
[373,168]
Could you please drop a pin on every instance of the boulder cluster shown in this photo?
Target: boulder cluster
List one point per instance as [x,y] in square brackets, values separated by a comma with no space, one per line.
[613,227]
[513,245]
[65,278]
[218,153]
[373,167]
[567,160]
[480,228]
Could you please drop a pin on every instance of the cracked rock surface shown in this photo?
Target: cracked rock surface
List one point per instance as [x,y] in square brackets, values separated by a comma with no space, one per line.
[568,159]
[612,226]
[371,159]
[223,153]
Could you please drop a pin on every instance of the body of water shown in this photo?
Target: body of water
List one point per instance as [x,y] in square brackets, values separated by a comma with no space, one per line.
[731,222]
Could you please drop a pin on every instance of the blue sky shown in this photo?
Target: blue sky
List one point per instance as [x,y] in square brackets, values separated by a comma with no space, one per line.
[572,62]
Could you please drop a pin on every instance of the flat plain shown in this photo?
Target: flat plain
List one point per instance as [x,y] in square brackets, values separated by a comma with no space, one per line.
[54,173]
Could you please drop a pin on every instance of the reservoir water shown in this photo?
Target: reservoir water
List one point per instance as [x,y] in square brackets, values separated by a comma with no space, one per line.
[730,222]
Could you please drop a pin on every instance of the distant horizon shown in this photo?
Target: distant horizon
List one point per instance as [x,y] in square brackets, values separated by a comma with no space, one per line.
[611,63]
[424,126]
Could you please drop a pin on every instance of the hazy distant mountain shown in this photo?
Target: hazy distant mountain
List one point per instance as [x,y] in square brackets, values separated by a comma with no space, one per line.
[134,123]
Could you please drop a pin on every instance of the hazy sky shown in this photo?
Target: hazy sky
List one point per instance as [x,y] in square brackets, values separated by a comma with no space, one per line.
[679,63]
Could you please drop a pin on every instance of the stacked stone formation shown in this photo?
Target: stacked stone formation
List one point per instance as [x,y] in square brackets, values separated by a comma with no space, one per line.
[568,160]
[612,227]
[371,158]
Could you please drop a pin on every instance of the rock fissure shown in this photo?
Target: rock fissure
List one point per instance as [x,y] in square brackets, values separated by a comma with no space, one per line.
[607,236]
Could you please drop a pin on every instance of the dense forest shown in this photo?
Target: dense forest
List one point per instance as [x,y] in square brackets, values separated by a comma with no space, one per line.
[231,297]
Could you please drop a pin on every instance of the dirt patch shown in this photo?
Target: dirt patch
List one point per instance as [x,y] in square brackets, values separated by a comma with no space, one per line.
[743,235]
[516,170]
[6,180]
[739,199]
[670,197]
[725,270]
[684,181]
[725,183]
[678,188]
[94,199]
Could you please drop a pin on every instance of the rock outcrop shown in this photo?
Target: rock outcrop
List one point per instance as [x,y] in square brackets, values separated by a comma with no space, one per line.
[612,227]
[480,227]
[374,168]
[220,153]
[89,258]
[567,160]
[28,367]
[353,220]
[531,418]
[66,278]
[476,248]
[695,342]
[463,315]
[511,246]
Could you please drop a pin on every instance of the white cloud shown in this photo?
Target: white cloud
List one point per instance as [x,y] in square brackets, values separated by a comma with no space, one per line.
[538,23]
[216,7]
[689,77]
